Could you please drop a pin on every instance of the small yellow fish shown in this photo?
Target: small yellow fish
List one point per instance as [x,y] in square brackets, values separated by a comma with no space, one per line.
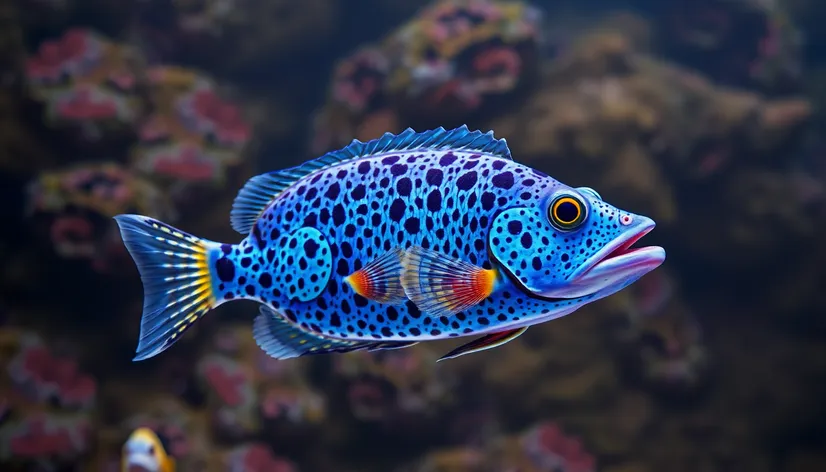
[144,452]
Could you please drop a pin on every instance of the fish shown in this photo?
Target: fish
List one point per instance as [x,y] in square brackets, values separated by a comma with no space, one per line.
[406,238]
[145,452]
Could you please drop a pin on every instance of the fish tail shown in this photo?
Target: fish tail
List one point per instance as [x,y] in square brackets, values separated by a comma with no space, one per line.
[178,285]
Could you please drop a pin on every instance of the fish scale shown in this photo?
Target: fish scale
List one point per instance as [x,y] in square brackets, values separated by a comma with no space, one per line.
[407,238]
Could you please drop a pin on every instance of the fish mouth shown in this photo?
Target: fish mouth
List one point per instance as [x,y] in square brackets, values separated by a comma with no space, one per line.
[141,463]
[615,266]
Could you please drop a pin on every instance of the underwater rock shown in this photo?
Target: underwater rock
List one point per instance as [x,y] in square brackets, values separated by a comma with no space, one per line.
[635,128]
[232,36]
[664,349]
[742,43]
[256,457]
[394,386]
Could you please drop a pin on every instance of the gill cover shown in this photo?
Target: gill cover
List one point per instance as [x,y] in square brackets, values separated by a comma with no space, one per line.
[542,247]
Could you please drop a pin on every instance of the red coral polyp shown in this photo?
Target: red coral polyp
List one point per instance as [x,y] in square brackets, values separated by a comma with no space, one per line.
[87,103]
[227,381]
[205,112]
[549,446]
[187,163]
[46,377]
[41,436]
[257,458]
[71,55]
[358,81]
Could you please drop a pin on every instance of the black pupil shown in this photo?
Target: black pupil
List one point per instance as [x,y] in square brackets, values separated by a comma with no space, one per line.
[567,212]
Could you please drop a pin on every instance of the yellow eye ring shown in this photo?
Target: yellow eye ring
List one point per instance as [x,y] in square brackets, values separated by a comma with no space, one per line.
[567,212]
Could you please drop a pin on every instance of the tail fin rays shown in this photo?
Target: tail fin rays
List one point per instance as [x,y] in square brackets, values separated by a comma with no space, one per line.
[174,269]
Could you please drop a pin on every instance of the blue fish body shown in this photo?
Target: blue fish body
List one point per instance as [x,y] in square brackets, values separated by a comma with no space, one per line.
[407,238]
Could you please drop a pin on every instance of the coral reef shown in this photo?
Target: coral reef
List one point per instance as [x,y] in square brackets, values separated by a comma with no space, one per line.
[192,137]
[454,59]
[88,82]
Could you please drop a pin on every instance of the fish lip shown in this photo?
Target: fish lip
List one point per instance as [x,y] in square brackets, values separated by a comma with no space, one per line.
[620,250]
[612,267]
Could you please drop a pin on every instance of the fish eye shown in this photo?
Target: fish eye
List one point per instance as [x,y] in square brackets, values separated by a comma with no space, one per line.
[567,212]
[151,450]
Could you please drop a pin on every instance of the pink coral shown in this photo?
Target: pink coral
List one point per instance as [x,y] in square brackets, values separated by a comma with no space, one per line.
[296,405]
[87,103]
[45,377]
[77,52]
[358,80]
[450,20]
[204,112]
[257,457]
[185,161]
[226,381]
[551,449]
[42,436]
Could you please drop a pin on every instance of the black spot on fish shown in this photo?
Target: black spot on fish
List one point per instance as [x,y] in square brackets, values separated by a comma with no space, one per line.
[389,160]
[364,167]
[338,214]
[514,227]
[335,319]
[466,181]
[265,280]
[526,240]
[403,186]
[434,200]
[503,180]
[333,191]
[487,200]
[498,165]
[392,313]
[397,210]
[412,225]
[447,159]
[398,169]
[311,248]
[358,192]
[434,177]
[225,269]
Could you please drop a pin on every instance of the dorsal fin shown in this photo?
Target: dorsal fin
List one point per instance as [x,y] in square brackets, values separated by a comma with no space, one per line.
[259,191]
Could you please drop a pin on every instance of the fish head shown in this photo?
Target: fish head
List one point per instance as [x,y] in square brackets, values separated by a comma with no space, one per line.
[572,245]
[144,452]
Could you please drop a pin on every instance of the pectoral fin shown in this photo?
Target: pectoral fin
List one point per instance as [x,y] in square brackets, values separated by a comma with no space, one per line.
[489,341]
[380,279]
[440,285]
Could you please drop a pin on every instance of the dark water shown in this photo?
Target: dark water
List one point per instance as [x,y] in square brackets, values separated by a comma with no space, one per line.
[703,115]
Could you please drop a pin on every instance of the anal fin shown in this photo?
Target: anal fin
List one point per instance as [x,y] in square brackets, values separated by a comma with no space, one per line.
[440,285]
[380,279]
[489,341]
[281,340]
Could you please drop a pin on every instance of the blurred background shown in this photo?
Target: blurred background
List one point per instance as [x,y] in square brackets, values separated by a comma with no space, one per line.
[706,115]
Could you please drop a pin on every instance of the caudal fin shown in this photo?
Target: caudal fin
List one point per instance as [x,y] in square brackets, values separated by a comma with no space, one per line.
[177,287]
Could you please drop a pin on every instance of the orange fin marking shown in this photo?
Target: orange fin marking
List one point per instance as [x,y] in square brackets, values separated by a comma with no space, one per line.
[440,285]
[380,279]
